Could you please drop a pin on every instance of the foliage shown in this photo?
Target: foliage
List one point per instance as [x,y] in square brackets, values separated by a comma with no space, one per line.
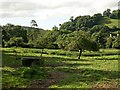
[31,73]
[100,37]
[98,26]
[47,40]
[15,41]
[109,42]
[33,23]
[55,28]
[115,14]
[107,12]
[10,30]
[78,40]
[116,43]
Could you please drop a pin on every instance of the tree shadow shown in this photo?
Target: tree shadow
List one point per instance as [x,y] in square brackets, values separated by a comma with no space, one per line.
[81,75]
[107,58]
[65,59]
[49,61]
[106,21]
[59,61]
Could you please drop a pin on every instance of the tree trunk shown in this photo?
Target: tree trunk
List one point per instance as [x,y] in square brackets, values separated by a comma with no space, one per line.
[80,52]
[41,54]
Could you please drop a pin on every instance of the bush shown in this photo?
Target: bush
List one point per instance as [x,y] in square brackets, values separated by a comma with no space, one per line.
[31,73]
[15,41]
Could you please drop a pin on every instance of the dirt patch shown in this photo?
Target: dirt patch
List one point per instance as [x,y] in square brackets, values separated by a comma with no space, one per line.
[53,77]
[106,85]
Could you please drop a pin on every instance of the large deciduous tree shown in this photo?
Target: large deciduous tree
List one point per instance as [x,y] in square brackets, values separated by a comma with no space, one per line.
[79,40]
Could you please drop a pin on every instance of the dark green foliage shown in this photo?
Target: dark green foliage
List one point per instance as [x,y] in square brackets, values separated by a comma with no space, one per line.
[116,43]
[14,31]
[98,28]
[107,13]
[115,14]
[68,26]
[84,21]
[100,37]
[109,42]
[55,28]
[96,18]
[15,41]
[33,23]
[31,73]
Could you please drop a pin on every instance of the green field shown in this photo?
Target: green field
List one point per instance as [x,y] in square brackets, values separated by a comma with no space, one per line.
[61,69]
[114,22]
[110,22]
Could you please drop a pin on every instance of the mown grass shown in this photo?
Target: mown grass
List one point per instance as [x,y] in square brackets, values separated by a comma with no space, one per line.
[28,51]
[114,22]
[109,22]
[92,68]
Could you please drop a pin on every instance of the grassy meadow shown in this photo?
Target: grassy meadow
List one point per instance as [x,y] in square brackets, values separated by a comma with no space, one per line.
[61,69]
[110,22]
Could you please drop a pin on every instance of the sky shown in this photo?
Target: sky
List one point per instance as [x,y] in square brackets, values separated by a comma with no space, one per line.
[48,13]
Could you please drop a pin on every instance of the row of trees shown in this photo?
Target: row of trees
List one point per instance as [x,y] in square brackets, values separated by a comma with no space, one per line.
[115,14]
[87,22]
[80,33]
[29,36]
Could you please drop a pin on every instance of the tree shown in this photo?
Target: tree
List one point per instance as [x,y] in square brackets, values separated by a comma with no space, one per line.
[115,14]
[107,13]
[71,19]
[70,26]
[33,23]
[15,41]
[109,42]
[79,40]
[84,21]
[55,28]
[10,30]
[96,18]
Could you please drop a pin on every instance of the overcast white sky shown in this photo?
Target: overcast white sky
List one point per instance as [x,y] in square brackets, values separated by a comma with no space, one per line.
[48,13]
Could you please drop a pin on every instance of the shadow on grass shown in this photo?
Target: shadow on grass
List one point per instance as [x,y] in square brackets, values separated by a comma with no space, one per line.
[76,75]
[59,61]
[106,21]
[64,59]
[10,60]
[116,58]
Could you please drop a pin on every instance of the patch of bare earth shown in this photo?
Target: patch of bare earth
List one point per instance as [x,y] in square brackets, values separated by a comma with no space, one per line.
[53,77]
[106,85]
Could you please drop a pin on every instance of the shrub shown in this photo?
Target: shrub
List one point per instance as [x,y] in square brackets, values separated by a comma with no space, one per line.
[31,73]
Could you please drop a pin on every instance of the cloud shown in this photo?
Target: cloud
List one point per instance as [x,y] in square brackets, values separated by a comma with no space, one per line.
[50,8]
[40,5]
